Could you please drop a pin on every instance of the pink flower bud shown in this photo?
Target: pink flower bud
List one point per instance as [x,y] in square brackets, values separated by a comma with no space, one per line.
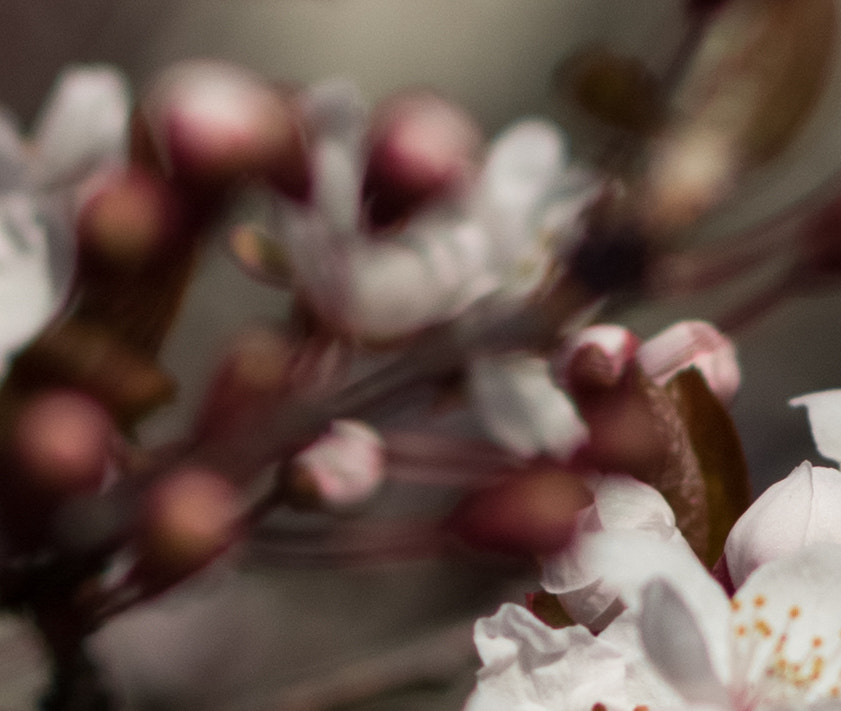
[61,443]
[343,468]
[213,121]
[531,512]
[189,518]
[126,222]
[595,357]
[692,344]
[421,147]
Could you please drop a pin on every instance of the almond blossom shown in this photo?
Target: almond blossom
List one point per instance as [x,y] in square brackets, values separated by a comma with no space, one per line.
[682,643]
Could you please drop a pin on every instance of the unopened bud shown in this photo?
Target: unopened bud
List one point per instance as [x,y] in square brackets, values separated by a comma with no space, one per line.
[126,223]
[61,442]
[421,147]
[692,344]
[214,121]
[342,469]
[531,512]
[595,357]
[190,518]
[257,367]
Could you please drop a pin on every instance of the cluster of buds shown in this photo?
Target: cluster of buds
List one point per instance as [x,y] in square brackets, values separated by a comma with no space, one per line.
[397,231]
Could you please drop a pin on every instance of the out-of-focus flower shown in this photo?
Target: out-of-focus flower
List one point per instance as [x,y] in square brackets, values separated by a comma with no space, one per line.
[496,234]
[799,510]
[43,179]
[620,503]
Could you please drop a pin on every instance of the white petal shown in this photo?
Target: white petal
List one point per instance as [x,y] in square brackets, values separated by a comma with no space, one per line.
[802,509]
[524,166]
[629,560]
[677,647]
[521,406]
[824,410]
[620,503]
[84,123]
[644,683]
[693,344]
[528,665]
[26,293]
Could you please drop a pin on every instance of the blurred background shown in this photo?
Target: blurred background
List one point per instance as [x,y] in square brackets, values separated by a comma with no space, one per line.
[248,636]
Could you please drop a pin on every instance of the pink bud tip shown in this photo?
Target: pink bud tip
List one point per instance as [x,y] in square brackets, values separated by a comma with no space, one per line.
[62,441]
[421,147]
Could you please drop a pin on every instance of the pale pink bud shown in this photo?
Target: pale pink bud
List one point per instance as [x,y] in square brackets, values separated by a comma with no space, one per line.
[692,344]
[421,147]
[343,468]
[800,510]
[213,121]
[595,356]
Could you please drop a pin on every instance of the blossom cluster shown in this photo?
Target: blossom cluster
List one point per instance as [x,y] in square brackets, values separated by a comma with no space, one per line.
[420,265]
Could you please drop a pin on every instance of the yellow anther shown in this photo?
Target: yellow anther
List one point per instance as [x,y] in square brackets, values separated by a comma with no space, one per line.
[794,612]
[763,628]
[759,601]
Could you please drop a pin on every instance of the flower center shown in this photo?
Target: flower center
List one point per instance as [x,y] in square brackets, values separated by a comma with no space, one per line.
[778,658]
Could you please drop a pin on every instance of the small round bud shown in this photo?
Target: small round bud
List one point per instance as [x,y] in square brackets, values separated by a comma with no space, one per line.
[214,121]
[61,442]
[340,470]
[126,223]
[189,518]
[421,147]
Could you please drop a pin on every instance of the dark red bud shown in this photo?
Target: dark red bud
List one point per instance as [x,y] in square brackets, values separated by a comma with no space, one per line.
[532,512]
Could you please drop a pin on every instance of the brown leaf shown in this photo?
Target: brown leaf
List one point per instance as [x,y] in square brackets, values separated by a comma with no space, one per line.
[718,449]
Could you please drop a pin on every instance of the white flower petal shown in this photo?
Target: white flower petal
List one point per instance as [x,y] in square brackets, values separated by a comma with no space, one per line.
[521,406]
[620,503]
[629,560]
[530,666]
[802,509]
[524,166]
[26,292]
[676,645]
[84,123]
[824,411]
